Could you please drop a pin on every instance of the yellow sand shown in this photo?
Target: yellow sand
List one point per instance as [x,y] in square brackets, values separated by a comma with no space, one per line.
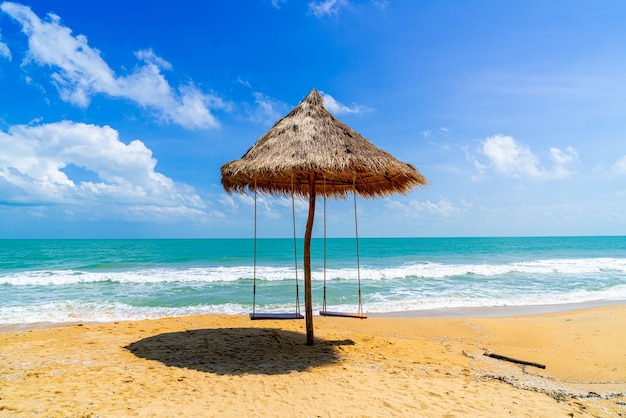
[231,366]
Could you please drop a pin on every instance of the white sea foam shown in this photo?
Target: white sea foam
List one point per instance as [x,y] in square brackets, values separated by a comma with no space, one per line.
[162,275]
[69,312]
[76,311]
[59,295]
[379,303]
[551,266]
[228,274]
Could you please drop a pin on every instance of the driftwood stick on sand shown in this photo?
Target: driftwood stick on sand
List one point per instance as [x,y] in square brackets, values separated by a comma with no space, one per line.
[514,360]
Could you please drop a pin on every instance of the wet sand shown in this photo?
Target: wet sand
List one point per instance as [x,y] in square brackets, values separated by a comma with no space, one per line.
[217,365]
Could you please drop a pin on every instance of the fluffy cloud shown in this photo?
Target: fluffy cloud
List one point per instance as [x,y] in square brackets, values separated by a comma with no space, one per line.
[277,3]
[338,108]
[333,7]
[327,7]
[79,72]
[85,167]
[266,110]
[4,49]
[509,158]
[444,207]
[274,207]
[620,166]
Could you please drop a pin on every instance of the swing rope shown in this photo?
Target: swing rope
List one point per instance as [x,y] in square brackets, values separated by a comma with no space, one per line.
[359,314]
[324,303]
[358,259]
[290,315]
[295,250]
[254,269]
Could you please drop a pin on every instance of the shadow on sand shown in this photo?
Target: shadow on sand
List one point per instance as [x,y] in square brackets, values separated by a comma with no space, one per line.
[236,351]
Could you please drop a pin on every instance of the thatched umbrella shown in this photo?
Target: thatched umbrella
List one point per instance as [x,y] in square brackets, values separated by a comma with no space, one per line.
[309,152]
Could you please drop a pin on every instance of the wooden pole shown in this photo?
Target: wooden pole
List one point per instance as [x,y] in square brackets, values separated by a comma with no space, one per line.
[308,300]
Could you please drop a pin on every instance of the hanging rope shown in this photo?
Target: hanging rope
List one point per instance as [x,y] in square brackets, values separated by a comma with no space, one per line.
[324,303]
[254,268]
[295,251]
[287,315]
[358,261]
[359,314]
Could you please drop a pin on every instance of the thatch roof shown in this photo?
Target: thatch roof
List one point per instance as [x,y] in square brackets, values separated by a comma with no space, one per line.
[311,141]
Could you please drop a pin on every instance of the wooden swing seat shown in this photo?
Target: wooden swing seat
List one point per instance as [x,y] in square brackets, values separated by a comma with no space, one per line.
[285,315]
[344,314]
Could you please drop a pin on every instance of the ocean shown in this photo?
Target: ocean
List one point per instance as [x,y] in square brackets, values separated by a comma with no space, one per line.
[111,280]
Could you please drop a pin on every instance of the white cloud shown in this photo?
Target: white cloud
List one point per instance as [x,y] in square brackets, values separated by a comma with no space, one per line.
[266,207]
[509,158]
[322,8]
[244,82]
[35,170]
[277,3]
[381,4]
[274,207]
[338,108]
[327,7]
[562,162]
[79,72]
[264,204]
[266,110]
[444,207]
[438,138]
[4,49]
[620,166]
[228,201]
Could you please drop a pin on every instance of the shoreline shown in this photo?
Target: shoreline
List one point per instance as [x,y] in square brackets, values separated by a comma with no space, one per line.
[461,312]
[497,311]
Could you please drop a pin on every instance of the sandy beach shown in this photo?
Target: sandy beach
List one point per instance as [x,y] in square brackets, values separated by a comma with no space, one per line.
[214,365]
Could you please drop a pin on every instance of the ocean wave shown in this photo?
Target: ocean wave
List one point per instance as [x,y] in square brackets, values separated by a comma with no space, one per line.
[393,302]
[551,266]
[80,311]
[163,275]
[76,311]
[428,270]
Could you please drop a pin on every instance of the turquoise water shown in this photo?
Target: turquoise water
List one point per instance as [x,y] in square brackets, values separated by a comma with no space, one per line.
[108,280]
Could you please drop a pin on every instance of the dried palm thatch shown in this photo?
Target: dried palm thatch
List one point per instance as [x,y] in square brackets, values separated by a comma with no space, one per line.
[311,142]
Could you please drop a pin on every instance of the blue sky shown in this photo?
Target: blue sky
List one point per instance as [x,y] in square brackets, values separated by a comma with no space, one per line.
[116,116]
